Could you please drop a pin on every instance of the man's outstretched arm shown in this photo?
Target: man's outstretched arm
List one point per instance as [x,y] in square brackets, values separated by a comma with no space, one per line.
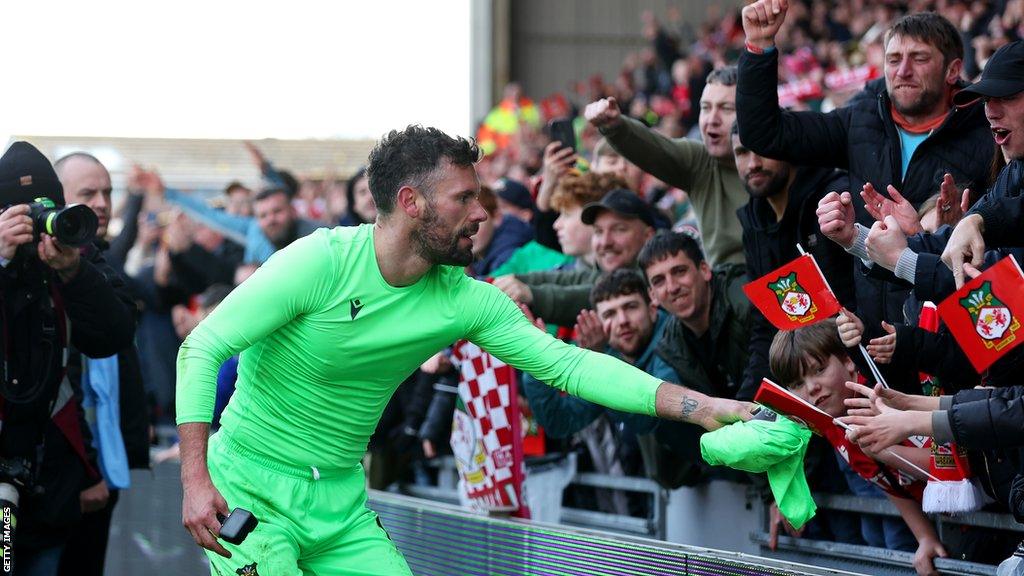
[675,402]
[498,326]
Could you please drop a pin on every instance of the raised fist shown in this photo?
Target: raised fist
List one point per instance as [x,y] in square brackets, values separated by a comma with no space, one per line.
[603,113]
[762,20]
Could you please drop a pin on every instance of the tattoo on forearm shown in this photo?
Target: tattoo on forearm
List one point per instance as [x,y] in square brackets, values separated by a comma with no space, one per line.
[689,406]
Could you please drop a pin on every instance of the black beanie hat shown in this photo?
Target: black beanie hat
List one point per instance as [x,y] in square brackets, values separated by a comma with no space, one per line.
[25,174]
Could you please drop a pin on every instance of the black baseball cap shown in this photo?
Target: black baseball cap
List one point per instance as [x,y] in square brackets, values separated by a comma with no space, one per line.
[514,193]
[620,201]
[1003,76]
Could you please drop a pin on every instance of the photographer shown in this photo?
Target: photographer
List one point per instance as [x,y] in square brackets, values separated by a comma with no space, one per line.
[51,298]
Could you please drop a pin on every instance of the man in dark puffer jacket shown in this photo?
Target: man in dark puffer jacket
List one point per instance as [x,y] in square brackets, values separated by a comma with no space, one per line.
[908,135]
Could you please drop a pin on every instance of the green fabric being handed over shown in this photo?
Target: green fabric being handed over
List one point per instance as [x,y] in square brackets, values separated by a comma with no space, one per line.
[776,446]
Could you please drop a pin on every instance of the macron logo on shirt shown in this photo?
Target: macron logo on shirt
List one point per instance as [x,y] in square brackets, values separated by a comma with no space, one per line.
[356,307]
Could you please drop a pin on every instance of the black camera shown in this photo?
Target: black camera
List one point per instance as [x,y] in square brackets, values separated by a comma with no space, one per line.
[73,225]
[26,177]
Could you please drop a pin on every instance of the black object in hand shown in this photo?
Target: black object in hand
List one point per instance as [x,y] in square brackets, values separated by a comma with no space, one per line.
[562,130]
[237,525]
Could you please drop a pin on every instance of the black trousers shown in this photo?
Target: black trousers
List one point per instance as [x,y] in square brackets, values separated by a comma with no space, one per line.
[86,550]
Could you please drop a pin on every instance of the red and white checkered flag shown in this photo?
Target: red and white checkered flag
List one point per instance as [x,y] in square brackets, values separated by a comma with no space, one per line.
[486,436]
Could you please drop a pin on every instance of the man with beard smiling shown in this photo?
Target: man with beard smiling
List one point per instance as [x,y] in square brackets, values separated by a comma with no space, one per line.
[327,329]
[781,214]
[706,171]
[902,130]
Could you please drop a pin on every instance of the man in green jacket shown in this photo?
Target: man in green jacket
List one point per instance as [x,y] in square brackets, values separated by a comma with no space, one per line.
[706,171]
[707,339]
[622,223]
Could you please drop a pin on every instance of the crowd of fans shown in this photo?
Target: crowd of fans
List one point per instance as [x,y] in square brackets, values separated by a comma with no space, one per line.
[683,181]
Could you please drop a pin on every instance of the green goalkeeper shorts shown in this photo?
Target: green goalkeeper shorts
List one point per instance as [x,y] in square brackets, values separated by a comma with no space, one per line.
[312,521]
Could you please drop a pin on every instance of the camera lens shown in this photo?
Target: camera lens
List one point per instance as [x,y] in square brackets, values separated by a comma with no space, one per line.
[74,225]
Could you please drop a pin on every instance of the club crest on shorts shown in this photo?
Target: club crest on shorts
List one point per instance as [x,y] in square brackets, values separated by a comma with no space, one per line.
[249,570]
[992,319]
[795,302]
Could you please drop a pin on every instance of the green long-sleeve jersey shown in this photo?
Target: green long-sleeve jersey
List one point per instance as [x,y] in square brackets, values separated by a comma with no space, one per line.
[325,340]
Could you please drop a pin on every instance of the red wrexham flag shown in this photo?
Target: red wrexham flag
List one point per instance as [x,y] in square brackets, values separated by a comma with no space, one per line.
[797,409]
[821,423]
[794,295]
[984,316]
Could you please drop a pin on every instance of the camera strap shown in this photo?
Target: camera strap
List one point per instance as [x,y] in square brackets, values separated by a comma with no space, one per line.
[39,314]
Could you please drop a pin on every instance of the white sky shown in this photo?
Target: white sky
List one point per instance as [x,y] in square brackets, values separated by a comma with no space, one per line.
[233,69]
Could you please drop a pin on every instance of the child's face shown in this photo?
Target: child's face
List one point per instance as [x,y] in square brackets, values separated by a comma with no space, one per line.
[824,385]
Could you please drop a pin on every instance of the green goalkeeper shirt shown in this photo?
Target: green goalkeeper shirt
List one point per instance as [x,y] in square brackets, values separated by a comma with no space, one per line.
[325,340]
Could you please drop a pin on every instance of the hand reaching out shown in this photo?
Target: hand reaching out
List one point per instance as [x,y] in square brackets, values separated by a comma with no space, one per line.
[883,347]
[898,207]
[891,398]
[877,424]
[514,288]
[885,243]
[864,404]
[965,246]
[777,520]
[535,320]
[952,204]
[257,156]
[149,181]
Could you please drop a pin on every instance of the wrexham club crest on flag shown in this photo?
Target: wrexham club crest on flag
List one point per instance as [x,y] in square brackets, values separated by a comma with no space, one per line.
[992,319]
[794,300]
[984,315]
[794,295]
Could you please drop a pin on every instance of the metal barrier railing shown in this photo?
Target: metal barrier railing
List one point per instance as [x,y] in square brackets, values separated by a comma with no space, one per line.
[654,525]
[879,560]
[871,560]
[876,561]
[442,539]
